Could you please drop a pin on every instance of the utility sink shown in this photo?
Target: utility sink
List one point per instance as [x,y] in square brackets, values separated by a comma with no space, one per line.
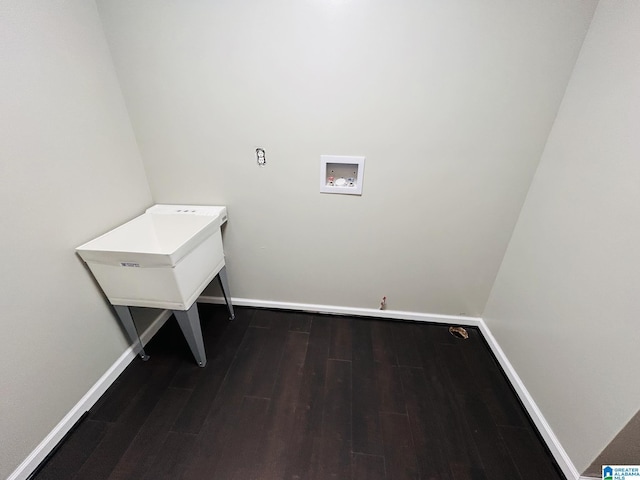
[162,259]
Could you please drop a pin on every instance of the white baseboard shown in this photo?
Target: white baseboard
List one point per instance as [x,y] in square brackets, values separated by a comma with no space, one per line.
[558,452]
[337,310]
[98,389]
[28,466]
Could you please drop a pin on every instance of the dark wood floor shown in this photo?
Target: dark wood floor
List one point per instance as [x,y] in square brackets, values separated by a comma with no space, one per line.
[300,396]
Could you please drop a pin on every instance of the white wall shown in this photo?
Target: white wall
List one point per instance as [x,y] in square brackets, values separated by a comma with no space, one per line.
[565,304]
[69,170]
[451,103]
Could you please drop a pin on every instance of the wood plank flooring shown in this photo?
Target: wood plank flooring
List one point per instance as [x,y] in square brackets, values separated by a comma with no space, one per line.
[299,396]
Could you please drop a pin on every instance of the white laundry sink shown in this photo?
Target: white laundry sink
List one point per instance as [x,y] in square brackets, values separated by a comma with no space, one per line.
[163,259]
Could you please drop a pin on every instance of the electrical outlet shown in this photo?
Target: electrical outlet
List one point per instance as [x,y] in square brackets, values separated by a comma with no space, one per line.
[261,157]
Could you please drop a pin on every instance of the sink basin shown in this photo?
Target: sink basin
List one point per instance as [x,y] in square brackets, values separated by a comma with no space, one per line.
[162,259]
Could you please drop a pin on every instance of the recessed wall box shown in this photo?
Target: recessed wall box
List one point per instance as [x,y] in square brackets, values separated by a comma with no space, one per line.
[341,174]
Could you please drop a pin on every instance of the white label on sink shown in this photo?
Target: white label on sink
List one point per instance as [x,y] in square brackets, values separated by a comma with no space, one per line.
[129,264]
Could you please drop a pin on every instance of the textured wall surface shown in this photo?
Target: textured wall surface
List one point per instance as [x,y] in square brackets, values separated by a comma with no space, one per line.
[69,170]
[565,304]
[451,103]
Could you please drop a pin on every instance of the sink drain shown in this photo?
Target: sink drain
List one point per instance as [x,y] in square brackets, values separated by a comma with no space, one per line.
[458,332]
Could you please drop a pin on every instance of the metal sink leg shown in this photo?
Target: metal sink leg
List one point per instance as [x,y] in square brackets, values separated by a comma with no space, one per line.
[224,283]
[127,321]
[189,322]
